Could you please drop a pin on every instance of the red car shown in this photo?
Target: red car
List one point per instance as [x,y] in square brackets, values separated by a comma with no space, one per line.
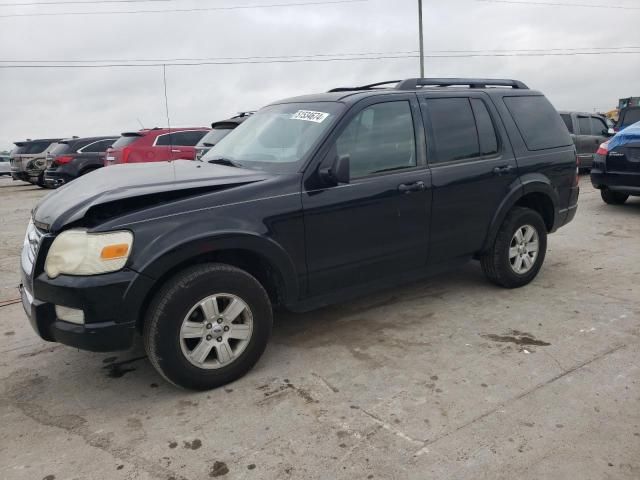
[155,145]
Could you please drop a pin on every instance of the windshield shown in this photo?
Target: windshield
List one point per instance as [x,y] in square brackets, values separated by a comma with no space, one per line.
[631,116]
[278,137]
[214,136]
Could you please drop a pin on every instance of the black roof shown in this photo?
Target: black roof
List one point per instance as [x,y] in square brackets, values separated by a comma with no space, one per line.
[351,94]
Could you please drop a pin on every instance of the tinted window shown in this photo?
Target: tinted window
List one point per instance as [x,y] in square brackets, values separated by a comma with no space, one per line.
[60,148]
[125,140]
[454,129]
[185,139]
[99,146]
[538,122]
[486,130]
[31,148]
[584,124]
[598,126]
[566,118]
[630,117]
[380,138]
[214,136]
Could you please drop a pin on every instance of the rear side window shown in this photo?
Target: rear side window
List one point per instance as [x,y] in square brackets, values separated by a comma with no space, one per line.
[585,125]
[566,118]
[185,139]
[486,130]
[454,129]
[99,146]
[125,140]
[214,136]
[538,122]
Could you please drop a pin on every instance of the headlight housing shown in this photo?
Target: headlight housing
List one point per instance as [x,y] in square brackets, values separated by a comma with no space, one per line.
[76,252]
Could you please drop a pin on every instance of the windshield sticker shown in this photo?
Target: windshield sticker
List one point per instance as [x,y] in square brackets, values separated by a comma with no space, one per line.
[310,116]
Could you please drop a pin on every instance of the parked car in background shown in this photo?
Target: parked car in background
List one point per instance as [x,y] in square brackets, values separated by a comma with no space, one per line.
[314,200]
[155,145]
[588,131]
[74,157]
[219,130]
[616,168]
[628,116]
[5,165]
[28,159]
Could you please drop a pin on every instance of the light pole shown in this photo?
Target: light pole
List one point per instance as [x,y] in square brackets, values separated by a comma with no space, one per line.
[421,39]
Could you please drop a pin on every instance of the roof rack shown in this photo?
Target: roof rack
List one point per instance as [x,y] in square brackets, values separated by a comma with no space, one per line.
[416,83]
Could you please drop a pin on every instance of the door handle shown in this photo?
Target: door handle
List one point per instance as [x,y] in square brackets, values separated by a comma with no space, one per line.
[411,187]
[502,170]
[175,151]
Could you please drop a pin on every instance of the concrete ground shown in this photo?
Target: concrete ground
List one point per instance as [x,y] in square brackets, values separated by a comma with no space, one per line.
[451,378]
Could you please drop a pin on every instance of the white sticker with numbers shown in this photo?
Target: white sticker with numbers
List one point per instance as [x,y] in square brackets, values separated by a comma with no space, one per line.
[310,116]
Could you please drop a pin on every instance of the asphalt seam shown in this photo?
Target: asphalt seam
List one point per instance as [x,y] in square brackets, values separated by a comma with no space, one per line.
[500,406]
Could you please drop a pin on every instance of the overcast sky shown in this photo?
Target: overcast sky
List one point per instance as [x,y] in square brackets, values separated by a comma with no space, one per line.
[63,102]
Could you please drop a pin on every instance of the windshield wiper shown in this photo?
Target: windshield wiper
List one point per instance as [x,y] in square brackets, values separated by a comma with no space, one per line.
[206,144]
[226,162]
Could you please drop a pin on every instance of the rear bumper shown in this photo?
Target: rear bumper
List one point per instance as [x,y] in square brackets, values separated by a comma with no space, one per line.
[56,178]
[618,182]
[108,301]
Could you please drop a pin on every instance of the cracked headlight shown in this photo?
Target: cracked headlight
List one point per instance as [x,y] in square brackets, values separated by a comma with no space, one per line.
[76,252]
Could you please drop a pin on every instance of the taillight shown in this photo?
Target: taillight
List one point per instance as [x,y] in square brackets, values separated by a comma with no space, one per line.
[603,149]
[125,155]
[62,159]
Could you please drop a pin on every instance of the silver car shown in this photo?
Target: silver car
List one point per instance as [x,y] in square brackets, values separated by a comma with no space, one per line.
[5,166]
[28,159]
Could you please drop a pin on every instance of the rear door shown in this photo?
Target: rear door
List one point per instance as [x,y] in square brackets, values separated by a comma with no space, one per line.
[472,167]
[585,141]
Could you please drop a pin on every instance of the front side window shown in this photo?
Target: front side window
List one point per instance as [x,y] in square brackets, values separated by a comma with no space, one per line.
[598,126]
[277,138]
[379,139]
[182,139]
[454,129]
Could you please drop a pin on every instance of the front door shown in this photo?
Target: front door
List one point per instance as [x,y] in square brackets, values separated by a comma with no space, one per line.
[376,225]
[472,168]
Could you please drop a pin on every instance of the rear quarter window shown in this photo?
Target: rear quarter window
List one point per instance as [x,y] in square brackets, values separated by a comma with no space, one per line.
[538,122]
[125,140]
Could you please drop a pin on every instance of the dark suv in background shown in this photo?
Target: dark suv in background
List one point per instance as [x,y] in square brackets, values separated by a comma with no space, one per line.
[74,157]
[314,200]
[219,130]
[628,116]
[588,131]
[29,159]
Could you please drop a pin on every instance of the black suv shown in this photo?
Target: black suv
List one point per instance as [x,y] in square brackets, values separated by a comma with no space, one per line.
[312,200]
[74,157]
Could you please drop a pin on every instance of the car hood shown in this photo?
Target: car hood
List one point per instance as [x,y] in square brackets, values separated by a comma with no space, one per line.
[71,202]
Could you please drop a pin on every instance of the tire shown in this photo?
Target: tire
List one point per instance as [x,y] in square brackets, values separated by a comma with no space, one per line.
[181,296]
[498,265]
[613,198]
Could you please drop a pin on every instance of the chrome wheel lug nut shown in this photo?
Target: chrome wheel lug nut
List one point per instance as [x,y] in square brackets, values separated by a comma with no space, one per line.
[209,337]
[226,329]
[219,339]
[219,320]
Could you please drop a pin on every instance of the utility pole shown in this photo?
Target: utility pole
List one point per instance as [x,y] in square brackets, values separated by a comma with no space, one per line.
[421,39]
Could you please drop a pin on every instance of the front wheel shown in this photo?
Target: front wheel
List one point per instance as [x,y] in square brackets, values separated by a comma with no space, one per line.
[518,251]
[613,198]
[207,326]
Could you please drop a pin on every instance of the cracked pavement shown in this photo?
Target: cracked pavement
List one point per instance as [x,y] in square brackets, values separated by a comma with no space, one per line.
[450,378]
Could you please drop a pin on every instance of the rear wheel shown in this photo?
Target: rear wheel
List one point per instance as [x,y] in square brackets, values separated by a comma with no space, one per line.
[613,198]
[207,326]
[518,251]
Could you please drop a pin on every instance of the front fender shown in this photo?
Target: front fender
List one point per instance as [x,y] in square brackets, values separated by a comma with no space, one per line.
[179,247]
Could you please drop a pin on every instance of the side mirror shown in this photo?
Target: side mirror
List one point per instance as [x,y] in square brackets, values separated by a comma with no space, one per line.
[338,172]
